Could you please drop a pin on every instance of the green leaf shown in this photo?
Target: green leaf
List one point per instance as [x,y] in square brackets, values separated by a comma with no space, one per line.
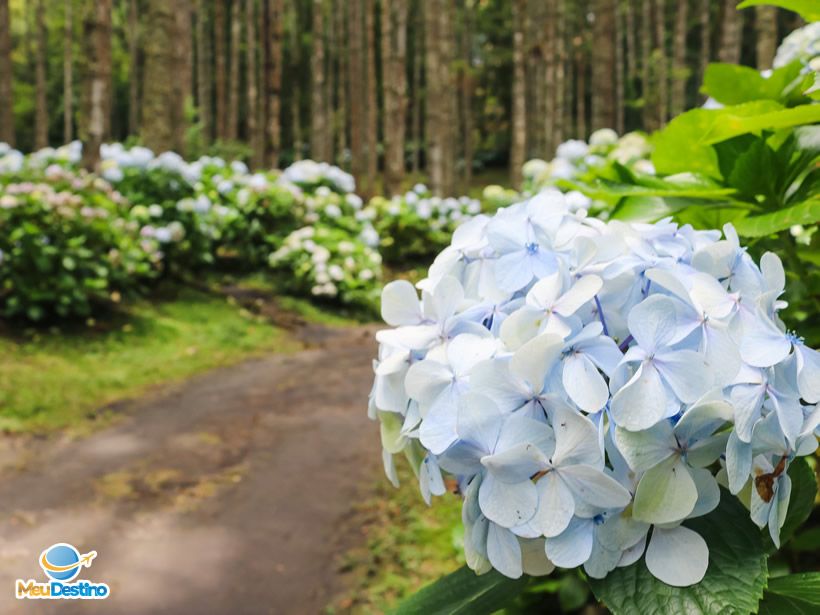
[464,593]
[803,586]
[766,224]
[732,124]
[801,503]
[774,604]
[807,9]
[733,584]
[732,84]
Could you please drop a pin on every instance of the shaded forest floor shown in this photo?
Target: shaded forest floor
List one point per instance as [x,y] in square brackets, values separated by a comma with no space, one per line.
[233,492]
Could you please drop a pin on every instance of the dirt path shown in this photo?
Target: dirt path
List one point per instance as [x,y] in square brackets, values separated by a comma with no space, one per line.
[231,493]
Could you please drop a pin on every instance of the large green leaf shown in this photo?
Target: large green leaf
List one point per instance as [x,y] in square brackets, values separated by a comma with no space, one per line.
[732,84]
[733,584]
[463,592]
[732,123]
[775,604]
[807,9]
[766,224]
[803,586]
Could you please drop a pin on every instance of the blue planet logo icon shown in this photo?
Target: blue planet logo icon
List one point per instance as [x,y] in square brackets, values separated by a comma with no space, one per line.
[63,562]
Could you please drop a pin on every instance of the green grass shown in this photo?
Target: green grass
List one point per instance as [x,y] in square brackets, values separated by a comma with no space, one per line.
[408,545]
[56,379]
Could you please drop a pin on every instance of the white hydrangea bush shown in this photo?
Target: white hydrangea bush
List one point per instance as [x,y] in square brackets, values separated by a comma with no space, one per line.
[589,386]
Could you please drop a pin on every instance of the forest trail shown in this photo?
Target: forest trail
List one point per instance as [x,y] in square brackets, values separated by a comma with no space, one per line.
[233,492]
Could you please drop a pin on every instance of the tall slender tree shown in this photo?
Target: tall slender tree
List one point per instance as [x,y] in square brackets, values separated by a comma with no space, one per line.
[705,38]
[631,45]
[68,73]
[467,91]
[394,79]
[661,62]
[96,116]
[204,72]
[355,79]
[133,67]
[372,104]
[417,93]
[342,86]
[318,92]
[603,65]
[620,96]
[766,29]
[274,29]
[6,94]
[219,69]
[731,33]
[518,141]
[680,70]
[40,101]
[646,64]
[232,121]
[251,114]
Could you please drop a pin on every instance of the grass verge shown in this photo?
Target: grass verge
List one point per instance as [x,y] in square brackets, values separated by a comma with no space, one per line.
[60,378]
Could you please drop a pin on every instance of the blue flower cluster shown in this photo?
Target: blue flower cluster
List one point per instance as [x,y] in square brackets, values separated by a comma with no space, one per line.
[589,385]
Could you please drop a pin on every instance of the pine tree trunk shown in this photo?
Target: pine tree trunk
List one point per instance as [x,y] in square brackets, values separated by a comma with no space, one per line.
[560,72]
[96,123]
[731,33]
[355,79]
[433,120]
[68,74]
[518,140]
[340,25]
[418,95]
[232,121]
[603,66]
[766,28]
[680,72]
[467,93]
[631,46]
[41,103]
[251,115]
[318,112]
[372,106]
[133,67]
[580,89]
[546,101]
[394,82]
[620,96]
[184,83]
[164,87]
[219,56]
[204,81]
[6,109]
[646,65]
[705,38]
[661,61]
[274,29]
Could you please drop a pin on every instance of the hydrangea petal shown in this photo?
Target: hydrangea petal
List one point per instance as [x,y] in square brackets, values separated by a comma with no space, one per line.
[642,401]
[678,556]
[504,552]
[556,505]
[507,504]
[400,304]
[584,384]
[573,546]
[666,493]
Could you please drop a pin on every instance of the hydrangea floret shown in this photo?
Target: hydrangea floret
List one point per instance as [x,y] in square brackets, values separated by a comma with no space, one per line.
[589,386]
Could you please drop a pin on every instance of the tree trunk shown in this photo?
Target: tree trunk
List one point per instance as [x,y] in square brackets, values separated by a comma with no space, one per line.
[546,100]
[661,62]
[631,46]
[204,81]
[620,96]
[394,83]
[731,33]
[418,94]
[603,65]
[680,72]
[558,134]
[580,88]
[68,74]
[232,121]
[41,102]
[318,110]
[467,92]
[163,103]
[518,140]
[7,108]
[251,111]
[96,122]
[184,58]
[273,26]
[705,38]
[219,54]
[355,79]
[766,28]
[646,64]
[340,25]
[372,107]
